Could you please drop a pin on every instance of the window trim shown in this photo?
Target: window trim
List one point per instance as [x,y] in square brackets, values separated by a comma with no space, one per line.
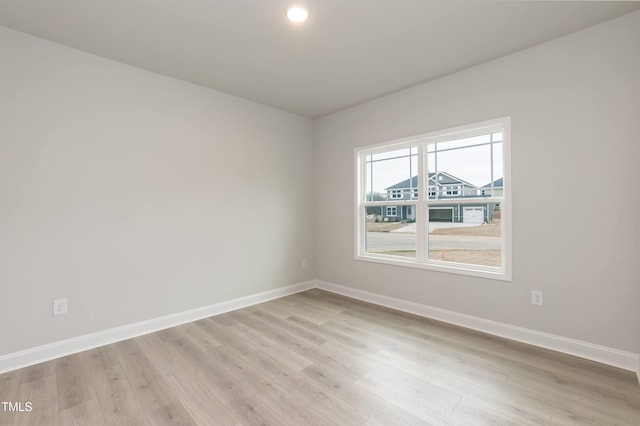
[391,215]
[504,272]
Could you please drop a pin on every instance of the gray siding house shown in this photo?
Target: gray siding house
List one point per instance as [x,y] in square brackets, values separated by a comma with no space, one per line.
[497,188]
[442,185]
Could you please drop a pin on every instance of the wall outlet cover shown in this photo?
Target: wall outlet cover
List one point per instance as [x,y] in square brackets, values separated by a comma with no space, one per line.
[60,307]
[537,298]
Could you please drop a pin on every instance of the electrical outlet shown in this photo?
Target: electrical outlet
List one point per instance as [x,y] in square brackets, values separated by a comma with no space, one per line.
[304,263]
[537,298]
[60,307]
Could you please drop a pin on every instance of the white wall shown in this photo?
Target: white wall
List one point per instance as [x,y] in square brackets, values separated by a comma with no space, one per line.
[136,195]
[575,108]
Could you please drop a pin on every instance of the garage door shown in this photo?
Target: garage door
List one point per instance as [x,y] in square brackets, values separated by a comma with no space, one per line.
[441,215]
[473,215]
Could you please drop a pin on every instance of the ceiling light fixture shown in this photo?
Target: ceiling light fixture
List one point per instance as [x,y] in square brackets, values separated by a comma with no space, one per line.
[297,13]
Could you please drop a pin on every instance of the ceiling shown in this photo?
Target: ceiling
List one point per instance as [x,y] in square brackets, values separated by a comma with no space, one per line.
[348,52]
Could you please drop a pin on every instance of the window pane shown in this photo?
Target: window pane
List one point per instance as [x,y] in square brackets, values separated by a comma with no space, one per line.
[469,234]
[457,143]
[463,172]
[391,175]
[391,230]
[495,188]
[390,154]
[368,181]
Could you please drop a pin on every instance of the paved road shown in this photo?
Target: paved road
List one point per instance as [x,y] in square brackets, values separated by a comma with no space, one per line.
[387,241]
[411,227]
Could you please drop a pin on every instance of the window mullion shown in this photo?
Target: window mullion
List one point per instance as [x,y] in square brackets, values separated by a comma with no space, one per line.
[361,223]
[421,212]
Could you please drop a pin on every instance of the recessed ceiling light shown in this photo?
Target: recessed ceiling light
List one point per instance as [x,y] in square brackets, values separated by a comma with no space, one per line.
[297,13]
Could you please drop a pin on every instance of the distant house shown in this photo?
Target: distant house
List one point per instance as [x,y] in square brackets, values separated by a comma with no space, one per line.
[442,185]
[497,188]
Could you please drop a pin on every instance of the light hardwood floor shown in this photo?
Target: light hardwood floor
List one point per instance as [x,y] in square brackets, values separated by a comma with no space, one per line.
[320,358]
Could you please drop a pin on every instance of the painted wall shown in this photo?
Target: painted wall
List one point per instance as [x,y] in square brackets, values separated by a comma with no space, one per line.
[135,195]
[575,109]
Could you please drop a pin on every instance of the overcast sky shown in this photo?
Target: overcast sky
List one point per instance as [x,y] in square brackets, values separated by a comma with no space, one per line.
[471,164]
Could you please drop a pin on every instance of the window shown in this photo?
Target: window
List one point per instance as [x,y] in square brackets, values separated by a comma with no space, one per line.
[459,185]
[453,190]
[396,194]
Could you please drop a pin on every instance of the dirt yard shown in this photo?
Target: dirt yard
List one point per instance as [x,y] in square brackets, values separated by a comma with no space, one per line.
[472,257]
[488,230]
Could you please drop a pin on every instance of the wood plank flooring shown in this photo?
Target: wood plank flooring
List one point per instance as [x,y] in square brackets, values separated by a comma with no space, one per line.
[316,358]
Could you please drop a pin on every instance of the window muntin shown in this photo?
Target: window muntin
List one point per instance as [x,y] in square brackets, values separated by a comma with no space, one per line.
[454,176]
[392,211]
[387,168]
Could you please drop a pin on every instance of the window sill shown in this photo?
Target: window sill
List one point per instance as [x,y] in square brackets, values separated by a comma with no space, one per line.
[448,267]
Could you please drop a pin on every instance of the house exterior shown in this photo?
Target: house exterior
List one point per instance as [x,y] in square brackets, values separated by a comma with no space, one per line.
[497,188]
[442,185]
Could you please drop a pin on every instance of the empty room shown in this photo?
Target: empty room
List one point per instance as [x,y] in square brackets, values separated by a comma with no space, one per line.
[319,212]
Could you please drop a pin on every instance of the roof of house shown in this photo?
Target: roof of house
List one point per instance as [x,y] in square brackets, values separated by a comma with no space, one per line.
[407,183]
[447,179]
[496,184]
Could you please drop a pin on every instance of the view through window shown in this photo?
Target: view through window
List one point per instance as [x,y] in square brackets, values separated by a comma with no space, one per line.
[437,200]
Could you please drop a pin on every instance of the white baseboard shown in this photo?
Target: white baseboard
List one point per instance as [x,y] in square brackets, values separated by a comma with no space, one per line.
[617,358]
[39,354]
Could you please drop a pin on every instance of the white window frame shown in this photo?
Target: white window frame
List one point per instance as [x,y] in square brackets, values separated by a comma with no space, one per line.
[423,203]
[389,214]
